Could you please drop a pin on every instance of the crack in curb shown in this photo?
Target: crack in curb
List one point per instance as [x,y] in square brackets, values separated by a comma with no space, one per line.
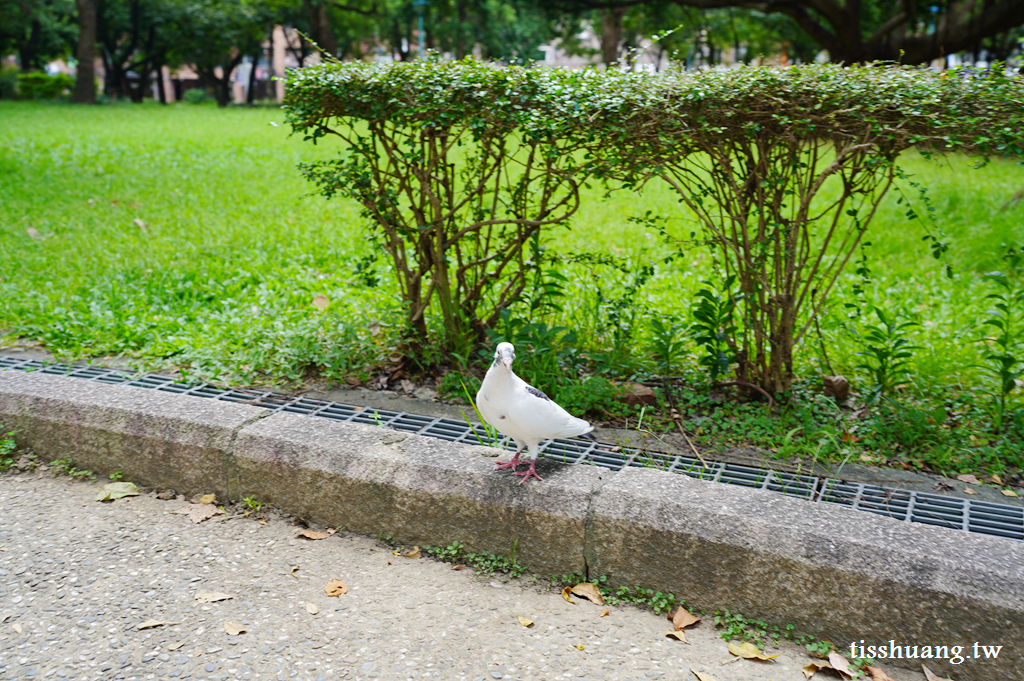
[232,483]
[588,526]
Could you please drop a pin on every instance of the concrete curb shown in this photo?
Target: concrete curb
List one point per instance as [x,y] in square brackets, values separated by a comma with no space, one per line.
[846,575]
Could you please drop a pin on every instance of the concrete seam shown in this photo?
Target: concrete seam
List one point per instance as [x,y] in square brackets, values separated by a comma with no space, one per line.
[589,557]
[232,484]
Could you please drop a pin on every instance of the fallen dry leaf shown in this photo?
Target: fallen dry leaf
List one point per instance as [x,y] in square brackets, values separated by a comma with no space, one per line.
[414,553]
[565,593]
[197,513]
[207,499]
[682,618]
[335,587]
[212,597]
[175,646]
[141,224]
[263,522]
[148,624]
[701,676]
[321,302]
[969,479]
[310,534]
[17,627]
[117,490]
[4,619]
[605,612]
[931,676]
[588,591]
[233,629]
[577,646]
[458,567]
[1008,493]
[679,635]
[840,663]
[525,622]
[34,233]
[293,571]
[996,479]
[878,675]
[749,651]
[968,490]
[311,608]
[812,669]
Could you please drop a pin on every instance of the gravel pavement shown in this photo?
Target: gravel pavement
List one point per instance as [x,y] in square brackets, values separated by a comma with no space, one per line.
[77,577]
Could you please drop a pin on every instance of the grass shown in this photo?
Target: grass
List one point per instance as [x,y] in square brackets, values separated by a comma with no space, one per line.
[184,237]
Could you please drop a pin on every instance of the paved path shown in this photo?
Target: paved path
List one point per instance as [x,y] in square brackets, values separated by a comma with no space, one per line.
[78,576]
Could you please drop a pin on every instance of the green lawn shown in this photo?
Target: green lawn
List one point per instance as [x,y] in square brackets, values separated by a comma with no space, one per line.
[184,236]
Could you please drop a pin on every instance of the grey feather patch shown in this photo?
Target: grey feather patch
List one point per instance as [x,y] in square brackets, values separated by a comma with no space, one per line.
[537,393]
[588,436]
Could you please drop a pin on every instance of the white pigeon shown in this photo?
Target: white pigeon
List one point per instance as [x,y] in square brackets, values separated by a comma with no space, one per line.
[522,412]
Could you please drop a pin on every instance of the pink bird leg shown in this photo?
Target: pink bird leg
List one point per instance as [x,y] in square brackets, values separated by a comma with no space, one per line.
[508,464]
[532,471]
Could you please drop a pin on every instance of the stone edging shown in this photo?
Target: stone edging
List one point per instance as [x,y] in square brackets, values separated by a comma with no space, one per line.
[845,574]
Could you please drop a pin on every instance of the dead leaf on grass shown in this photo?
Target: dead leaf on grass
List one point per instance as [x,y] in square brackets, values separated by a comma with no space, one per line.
[414,553]
[458,567]
[996,479]
[932,676]
[293,571]
[175,646]
[311,608]
[679,635]
[212,597]
[565,594]
[749,651]
[701,676]
[1008,493]
[149,624]
[605,612]
[233,629]
[969,479]
[589,591]
[17,627]
[310,534]
[321,302]
[117,490]
[878,675]
[968,490]
[682,618]
[335,587]
[525,622]
[141,224]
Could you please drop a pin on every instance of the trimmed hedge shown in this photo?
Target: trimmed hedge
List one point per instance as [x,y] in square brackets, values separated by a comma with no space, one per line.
[438,153]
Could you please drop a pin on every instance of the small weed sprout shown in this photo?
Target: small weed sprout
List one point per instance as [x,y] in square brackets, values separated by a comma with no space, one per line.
[7,447]
[713,326]
[252,504]
[1004,363]
[887,352]
[116,476]
[66,467]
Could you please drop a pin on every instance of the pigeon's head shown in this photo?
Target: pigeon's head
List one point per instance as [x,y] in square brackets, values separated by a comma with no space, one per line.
[504,354]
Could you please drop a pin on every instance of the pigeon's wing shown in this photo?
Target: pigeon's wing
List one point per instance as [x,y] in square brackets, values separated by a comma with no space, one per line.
[539,416]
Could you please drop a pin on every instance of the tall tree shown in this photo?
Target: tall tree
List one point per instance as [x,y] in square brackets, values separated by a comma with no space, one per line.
[85,78]
[37,31]
[853,31]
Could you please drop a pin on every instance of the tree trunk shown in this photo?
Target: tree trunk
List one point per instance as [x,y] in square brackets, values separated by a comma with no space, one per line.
[611,34]
[159,79]
[250,92]
[85,78]
[320,27]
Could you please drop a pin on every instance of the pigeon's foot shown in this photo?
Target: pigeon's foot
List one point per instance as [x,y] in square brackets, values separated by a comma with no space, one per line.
[508,464]
[532,471]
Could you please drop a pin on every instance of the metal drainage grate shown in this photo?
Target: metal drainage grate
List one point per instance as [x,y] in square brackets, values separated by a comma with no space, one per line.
[980,517]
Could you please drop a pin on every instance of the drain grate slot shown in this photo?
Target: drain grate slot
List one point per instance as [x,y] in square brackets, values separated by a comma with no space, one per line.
[980,517]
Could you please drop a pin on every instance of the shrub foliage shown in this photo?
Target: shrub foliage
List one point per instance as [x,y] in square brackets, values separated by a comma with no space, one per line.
[460,165]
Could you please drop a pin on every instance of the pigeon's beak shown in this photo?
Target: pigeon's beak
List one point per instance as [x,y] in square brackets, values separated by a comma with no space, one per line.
[507,361]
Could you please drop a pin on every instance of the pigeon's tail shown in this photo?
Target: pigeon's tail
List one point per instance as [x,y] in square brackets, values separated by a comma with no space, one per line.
[588,436]
[577,428]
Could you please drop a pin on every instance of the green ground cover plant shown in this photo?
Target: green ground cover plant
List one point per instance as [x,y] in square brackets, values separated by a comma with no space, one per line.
[221,280]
